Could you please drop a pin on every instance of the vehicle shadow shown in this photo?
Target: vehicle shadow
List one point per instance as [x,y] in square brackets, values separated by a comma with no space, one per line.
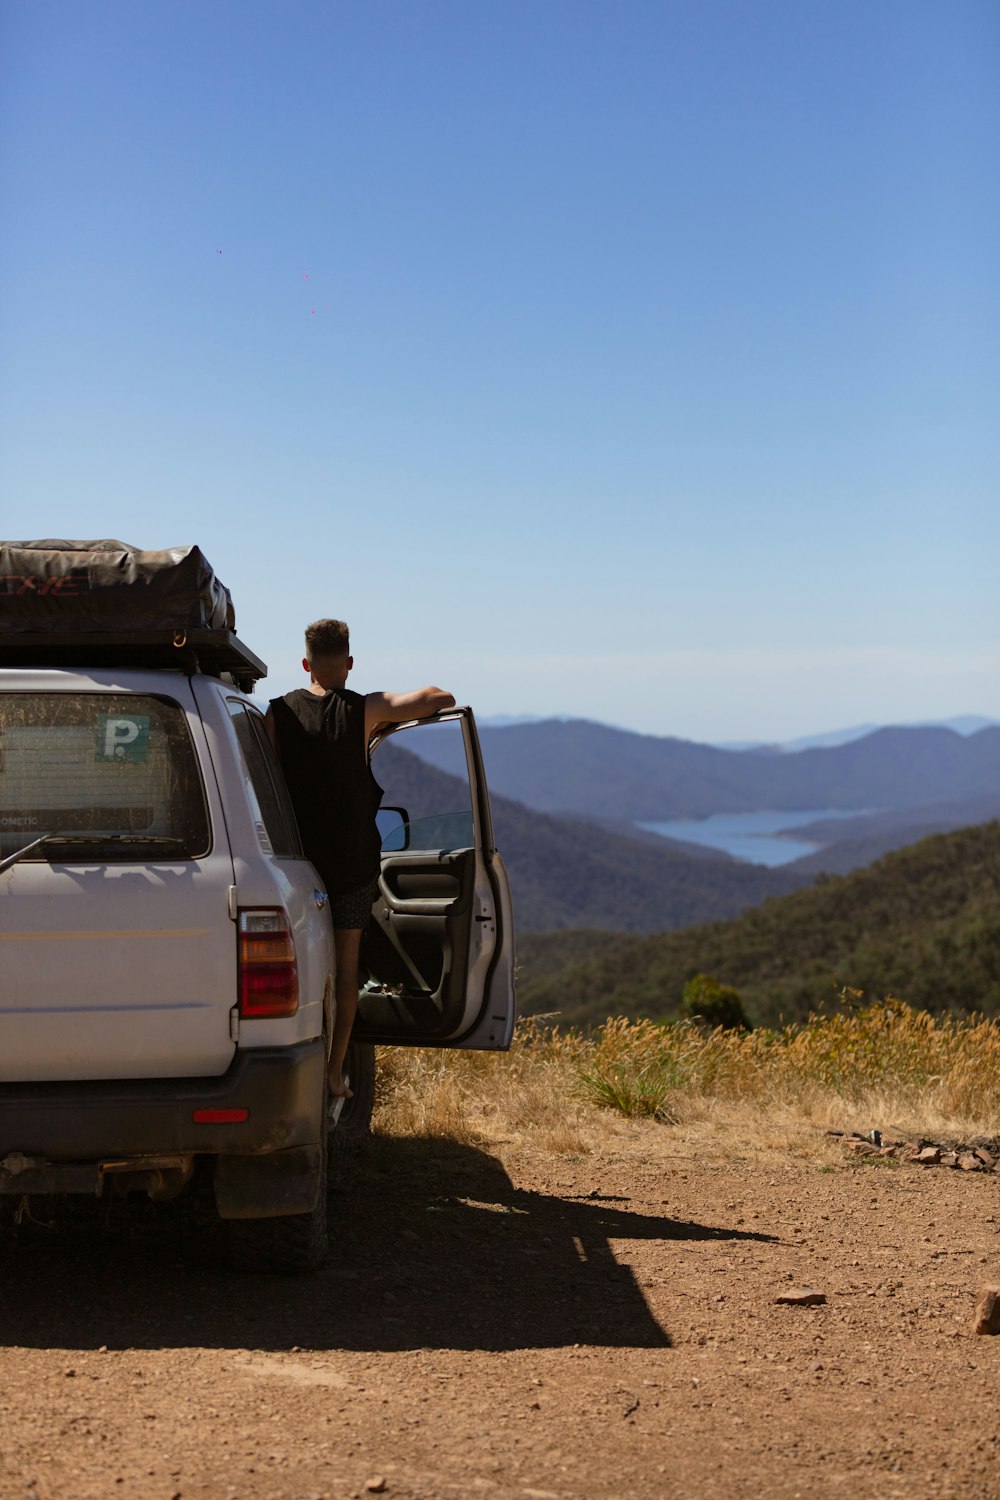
[435,1248]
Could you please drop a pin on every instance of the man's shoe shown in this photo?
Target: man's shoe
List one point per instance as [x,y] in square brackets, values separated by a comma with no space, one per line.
[337,1102]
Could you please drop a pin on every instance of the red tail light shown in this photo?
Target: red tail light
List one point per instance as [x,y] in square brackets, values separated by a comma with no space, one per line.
[269,981]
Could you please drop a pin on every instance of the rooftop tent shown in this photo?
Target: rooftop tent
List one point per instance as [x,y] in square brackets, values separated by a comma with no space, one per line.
[100,586]
[104,603]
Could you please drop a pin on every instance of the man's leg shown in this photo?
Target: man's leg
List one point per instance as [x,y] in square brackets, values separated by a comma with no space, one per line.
[347,942]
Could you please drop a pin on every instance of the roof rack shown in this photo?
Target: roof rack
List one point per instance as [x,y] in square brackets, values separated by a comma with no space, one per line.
[213,652]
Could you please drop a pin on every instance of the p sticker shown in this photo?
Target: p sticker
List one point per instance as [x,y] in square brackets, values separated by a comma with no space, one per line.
[122,738]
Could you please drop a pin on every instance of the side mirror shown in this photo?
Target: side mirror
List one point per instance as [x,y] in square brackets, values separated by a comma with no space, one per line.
[393,824]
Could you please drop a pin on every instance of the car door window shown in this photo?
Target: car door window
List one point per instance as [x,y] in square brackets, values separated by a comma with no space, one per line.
[437,804]
[262,767]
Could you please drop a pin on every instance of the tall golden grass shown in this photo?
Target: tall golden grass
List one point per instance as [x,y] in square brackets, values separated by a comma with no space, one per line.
[886,1065]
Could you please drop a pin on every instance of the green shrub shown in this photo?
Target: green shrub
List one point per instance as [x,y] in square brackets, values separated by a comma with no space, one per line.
[714,1004]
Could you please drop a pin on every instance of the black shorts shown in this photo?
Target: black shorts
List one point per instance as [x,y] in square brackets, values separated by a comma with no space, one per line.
[353,908]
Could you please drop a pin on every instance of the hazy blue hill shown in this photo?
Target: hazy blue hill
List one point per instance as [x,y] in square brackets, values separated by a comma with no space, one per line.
[903,767]
[576,766]
[864,839]
[572,873]
[963,724]
[922,923]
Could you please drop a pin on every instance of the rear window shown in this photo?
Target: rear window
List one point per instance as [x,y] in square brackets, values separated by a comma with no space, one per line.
[104,775]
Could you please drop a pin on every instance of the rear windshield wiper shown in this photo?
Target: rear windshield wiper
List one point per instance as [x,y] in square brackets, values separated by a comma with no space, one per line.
[160,840]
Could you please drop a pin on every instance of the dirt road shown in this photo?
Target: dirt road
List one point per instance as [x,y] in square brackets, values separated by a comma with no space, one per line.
[511,1324]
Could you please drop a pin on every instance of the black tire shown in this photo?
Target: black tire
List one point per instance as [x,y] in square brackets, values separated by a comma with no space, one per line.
[290,1244]
[348,1137]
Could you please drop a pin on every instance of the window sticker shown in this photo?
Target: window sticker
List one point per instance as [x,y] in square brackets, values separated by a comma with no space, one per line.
[121,738]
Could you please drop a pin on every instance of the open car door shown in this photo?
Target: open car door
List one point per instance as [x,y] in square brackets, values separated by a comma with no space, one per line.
[439,951]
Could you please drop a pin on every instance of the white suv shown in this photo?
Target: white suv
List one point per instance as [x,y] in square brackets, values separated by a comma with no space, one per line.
[166,956]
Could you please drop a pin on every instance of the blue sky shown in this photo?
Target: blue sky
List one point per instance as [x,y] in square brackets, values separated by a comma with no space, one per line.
[631,360]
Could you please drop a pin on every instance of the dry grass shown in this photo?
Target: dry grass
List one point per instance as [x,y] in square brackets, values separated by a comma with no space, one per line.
[528,1093]
[715,1094]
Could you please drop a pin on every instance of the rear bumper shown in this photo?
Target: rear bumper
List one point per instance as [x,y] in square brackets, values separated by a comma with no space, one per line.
[280,1087]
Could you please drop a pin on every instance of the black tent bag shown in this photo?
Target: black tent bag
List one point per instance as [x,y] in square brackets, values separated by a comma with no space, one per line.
[108,589]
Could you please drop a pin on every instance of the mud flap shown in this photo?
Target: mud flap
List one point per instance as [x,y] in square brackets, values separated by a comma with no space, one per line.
[270,1186]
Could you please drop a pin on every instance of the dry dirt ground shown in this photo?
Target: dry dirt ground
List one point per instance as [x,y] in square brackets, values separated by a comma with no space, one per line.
[507,1323]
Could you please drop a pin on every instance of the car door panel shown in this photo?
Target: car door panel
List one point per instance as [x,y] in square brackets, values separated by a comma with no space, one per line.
[439,949]
[419,941]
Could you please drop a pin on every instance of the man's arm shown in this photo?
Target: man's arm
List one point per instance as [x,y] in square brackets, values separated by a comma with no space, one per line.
[394,708]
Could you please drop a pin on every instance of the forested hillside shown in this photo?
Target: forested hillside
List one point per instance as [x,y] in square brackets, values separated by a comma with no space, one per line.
[922,923]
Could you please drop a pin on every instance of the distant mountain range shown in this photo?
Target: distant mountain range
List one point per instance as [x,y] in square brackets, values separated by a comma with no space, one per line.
[565,794]
[574,872]
[963,724]
[575,767]
[904,783]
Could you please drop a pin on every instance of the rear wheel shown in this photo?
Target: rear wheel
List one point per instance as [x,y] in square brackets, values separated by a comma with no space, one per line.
[348,1137]
[290,1243]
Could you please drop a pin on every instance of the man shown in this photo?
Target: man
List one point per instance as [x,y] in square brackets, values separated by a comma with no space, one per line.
[322,734]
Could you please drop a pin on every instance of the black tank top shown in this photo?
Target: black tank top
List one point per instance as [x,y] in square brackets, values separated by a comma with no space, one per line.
[324,754]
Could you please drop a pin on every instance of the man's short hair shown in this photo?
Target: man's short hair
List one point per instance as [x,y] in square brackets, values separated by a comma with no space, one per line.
[327,638]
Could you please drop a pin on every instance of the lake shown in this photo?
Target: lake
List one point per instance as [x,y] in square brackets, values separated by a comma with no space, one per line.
[758,837]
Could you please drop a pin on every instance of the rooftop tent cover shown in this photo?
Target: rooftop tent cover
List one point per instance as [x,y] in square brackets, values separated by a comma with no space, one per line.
[107,588]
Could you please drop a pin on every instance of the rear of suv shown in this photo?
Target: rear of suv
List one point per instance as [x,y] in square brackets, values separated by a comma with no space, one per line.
[166,953]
